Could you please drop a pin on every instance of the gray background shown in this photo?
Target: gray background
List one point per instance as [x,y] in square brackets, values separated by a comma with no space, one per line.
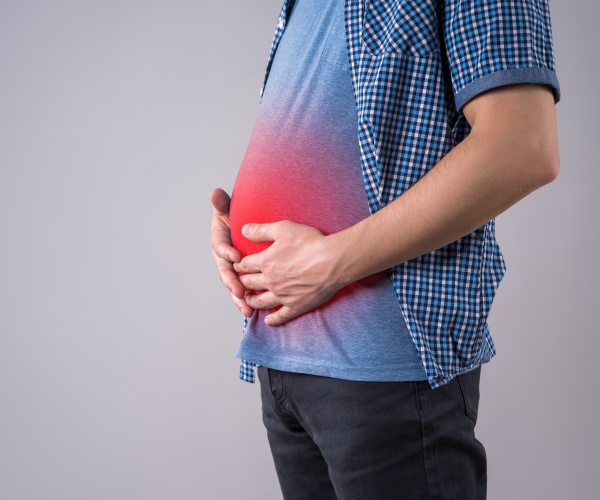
[117,371]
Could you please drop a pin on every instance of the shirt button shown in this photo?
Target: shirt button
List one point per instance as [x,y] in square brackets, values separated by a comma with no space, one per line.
[280,24]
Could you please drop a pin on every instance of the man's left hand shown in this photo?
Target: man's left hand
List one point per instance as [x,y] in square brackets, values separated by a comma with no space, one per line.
[295,274]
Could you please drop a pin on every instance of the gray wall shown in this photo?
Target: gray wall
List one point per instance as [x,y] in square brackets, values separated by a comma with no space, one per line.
[117,371]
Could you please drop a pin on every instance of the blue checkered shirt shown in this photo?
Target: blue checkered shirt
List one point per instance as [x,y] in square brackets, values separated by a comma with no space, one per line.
[414,63]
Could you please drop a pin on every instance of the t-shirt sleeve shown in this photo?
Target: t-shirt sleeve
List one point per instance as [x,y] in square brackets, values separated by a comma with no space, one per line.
[490,43]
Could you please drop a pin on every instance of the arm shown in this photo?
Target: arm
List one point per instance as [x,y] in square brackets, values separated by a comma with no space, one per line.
[511,151]
[224,255]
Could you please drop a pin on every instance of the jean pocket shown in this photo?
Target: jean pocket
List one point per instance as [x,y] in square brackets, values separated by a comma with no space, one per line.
[469,388]
[403,27]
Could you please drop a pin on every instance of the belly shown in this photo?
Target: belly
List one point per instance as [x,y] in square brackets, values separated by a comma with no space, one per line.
[293,178]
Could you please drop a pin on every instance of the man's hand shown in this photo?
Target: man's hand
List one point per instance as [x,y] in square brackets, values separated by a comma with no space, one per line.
[297,272]
[224,255]
[511,151]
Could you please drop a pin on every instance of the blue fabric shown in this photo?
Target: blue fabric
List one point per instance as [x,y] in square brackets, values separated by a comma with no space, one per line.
[414,64]
[303,164]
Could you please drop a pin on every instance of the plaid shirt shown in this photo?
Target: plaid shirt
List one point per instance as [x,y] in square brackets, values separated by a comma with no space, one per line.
[414,63]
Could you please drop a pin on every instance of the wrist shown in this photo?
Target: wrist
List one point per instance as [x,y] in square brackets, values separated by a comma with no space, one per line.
[340,258]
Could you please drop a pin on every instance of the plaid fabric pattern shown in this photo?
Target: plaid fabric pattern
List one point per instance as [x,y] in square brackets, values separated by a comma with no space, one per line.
[414,63]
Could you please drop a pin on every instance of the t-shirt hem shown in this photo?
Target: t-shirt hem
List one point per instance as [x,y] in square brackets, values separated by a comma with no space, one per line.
[506,77]
[408,373]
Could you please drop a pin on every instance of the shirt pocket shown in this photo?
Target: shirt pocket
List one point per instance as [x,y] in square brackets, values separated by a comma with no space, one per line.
[407,27]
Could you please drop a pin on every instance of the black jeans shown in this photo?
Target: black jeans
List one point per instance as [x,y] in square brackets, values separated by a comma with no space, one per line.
[341,439]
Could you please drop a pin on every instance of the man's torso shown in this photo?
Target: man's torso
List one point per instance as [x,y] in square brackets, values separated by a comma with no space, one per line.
[303,164]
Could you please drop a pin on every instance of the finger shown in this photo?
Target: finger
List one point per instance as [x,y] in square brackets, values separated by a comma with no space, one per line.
[260,232]
[249,264]
[223,249]
[255,281]
[241,304]
[235,288]
[282,315]
[220,200]
[265,300]
[220,232]
[229,278]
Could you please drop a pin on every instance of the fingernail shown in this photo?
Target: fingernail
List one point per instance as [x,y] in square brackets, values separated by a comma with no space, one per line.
[246,229]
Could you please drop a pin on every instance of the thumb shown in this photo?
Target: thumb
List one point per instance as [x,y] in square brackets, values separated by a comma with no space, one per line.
[220,200]
[259,232]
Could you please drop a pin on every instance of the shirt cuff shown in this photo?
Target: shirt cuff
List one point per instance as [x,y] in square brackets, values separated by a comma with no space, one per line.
[507,77]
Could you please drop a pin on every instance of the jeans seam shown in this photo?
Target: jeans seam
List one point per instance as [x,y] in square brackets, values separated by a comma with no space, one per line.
[420,410]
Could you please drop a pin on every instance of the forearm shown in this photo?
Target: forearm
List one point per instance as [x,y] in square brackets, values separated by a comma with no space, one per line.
[475,182]
[511,151]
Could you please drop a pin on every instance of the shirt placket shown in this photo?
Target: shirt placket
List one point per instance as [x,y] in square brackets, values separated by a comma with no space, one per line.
[281,24]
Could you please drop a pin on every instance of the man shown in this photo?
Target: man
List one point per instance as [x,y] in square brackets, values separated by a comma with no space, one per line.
[359,243]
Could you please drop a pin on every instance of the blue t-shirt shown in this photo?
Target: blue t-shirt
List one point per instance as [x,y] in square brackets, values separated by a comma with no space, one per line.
[303,164]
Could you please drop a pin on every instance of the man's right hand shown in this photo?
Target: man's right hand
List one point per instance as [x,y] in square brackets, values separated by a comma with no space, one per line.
[224,255]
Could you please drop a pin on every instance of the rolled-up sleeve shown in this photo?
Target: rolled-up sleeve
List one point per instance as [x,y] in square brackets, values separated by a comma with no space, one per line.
[491,43]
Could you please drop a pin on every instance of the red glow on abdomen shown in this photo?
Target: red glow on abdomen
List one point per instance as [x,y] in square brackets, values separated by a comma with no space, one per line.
[299,179]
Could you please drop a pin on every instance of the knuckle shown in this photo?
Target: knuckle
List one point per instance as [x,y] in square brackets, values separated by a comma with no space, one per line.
[263,300]
[223,268]
[223,250]
[216,248]
[264,264]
